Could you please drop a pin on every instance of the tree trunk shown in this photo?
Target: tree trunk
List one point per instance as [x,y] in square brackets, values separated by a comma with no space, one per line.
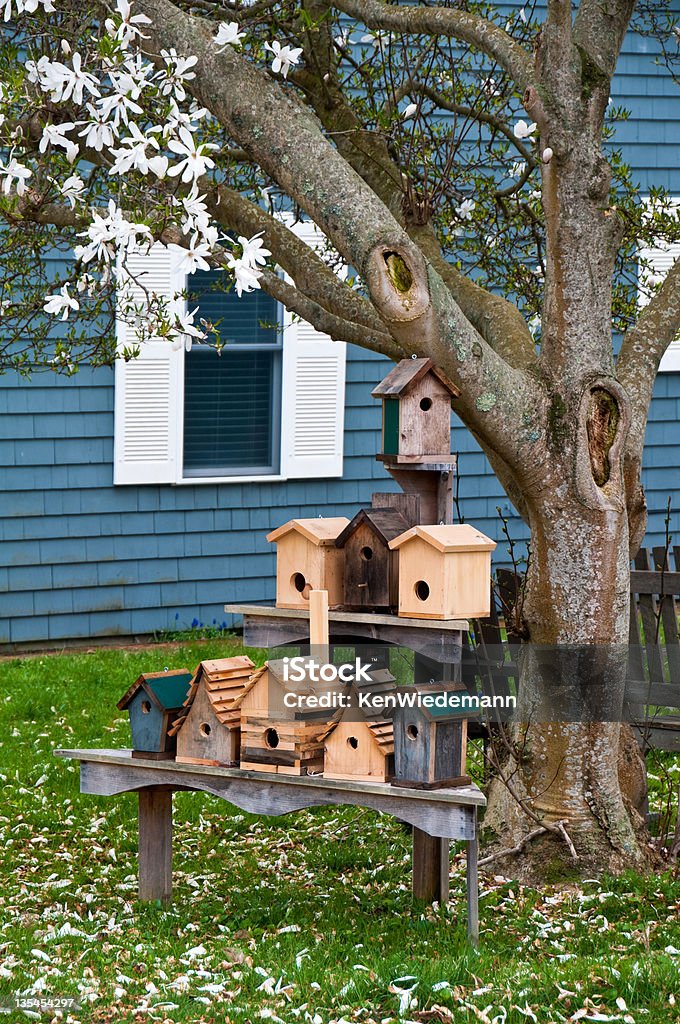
[570,765]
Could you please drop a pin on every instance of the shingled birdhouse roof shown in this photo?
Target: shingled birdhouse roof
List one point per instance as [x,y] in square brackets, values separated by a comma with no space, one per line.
[226,680]
[321,532]
[166,690]
[408,372]
[387,523]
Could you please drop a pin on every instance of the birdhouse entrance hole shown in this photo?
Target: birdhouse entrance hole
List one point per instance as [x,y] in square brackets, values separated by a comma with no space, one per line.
[205,729]
[367,553]
[352,742]
[422,590]
[146,707]
[271,738]
[412,732]
[425,404]
[300,583]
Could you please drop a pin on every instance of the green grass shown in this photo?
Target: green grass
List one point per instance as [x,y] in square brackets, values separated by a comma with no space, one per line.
[306,918]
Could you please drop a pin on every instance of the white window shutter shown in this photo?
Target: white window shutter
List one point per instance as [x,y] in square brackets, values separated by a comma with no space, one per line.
[313,396]
[149,389]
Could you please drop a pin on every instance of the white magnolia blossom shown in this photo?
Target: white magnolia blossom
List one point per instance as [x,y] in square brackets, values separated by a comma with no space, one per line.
[192,257]
[107,234]
[196,216]
[194,163]
[132,152]
[127,28]
[61,303]
[184,324]
[177,73]
[522,130]
[54,135]
[14,172]
[24,7]
[410,111]
[245,266]
[465,209]
[518,169]
[62,82]
[73,189]
[284,57]
[98,133]
[228,35]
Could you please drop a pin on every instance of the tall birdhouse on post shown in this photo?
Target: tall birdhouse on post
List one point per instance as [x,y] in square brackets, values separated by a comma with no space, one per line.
[416,425]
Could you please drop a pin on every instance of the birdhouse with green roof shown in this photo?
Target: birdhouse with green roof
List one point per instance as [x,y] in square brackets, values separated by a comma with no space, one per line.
[153,702]
[416,399]
[430,738]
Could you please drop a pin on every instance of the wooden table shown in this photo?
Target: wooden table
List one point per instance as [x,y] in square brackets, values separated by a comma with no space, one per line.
[441,813]
[437,646]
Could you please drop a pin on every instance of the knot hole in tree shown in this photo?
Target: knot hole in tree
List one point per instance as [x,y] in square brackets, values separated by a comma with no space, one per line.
[601,424]
[398,271]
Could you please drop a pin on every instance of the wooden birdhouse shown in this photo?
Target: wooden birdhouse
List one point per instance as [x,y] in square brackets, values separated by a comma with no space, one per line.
[370,567]
[444,572]
[153,703]
[361,750]
[361,746]
[307,559]
[430,740]
[278,736]
[208,730]
[416,399]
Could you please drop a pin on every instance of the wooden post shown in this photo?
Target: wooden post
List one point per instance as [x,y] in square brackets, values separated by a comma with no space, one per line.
[155,844]
[318,618]
[472,880]
[430,879]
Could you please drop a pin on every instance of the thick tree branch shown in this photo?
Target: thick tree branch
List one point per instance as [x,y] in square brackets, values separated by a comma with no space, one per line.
[453,23]
[312,276]
[599,30]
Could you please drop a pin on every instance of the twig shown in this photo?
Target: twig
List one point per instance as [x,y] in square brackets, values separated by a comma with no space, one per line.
[514,849]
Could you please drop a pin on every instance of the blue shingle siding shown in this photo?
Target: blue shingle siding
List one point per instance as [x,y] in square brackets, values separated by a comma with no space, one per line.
[80,558]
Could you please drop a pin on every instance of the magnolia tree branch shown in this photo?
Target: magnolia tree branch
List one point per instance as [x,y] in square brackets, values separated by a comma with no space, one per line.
[287,142]
[311,275]
[440,21]
[641,351]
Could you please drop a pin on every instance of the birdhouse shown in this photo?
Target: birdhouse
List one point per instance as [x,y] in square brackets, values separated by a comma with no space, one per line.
[282,735]
[361,746]
[444,572]
[430,740]
[208,730]
[153,703]
[361,750]
[416,426]
[307,559]
[370,568]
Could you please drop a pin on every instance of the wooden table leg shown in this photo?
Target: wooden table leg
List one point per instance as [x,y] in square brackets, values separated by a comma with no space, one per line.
[430,878]
[472,879]
[155,844]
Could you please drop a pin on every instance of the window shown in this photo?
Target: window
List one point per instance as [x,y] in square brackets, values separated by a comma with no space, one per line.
[232,400]
[272,405]
[661,259]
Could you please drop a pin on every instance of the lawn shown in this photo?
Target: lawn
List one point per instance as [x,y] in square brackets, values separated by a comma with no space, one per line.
[307,918]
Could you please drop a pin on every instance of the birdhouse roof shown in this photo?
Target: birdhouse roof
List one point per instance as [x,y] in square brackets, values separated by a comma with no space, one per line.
[436,712]
[273,671]
[226,680]
[407,373]
[321,532]
[382,683]
[447,538]
[387,523]
[167,690]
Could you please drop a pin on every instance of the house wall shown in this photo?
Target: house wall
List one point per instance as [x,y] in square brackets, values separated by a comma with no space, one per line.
[80,558]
